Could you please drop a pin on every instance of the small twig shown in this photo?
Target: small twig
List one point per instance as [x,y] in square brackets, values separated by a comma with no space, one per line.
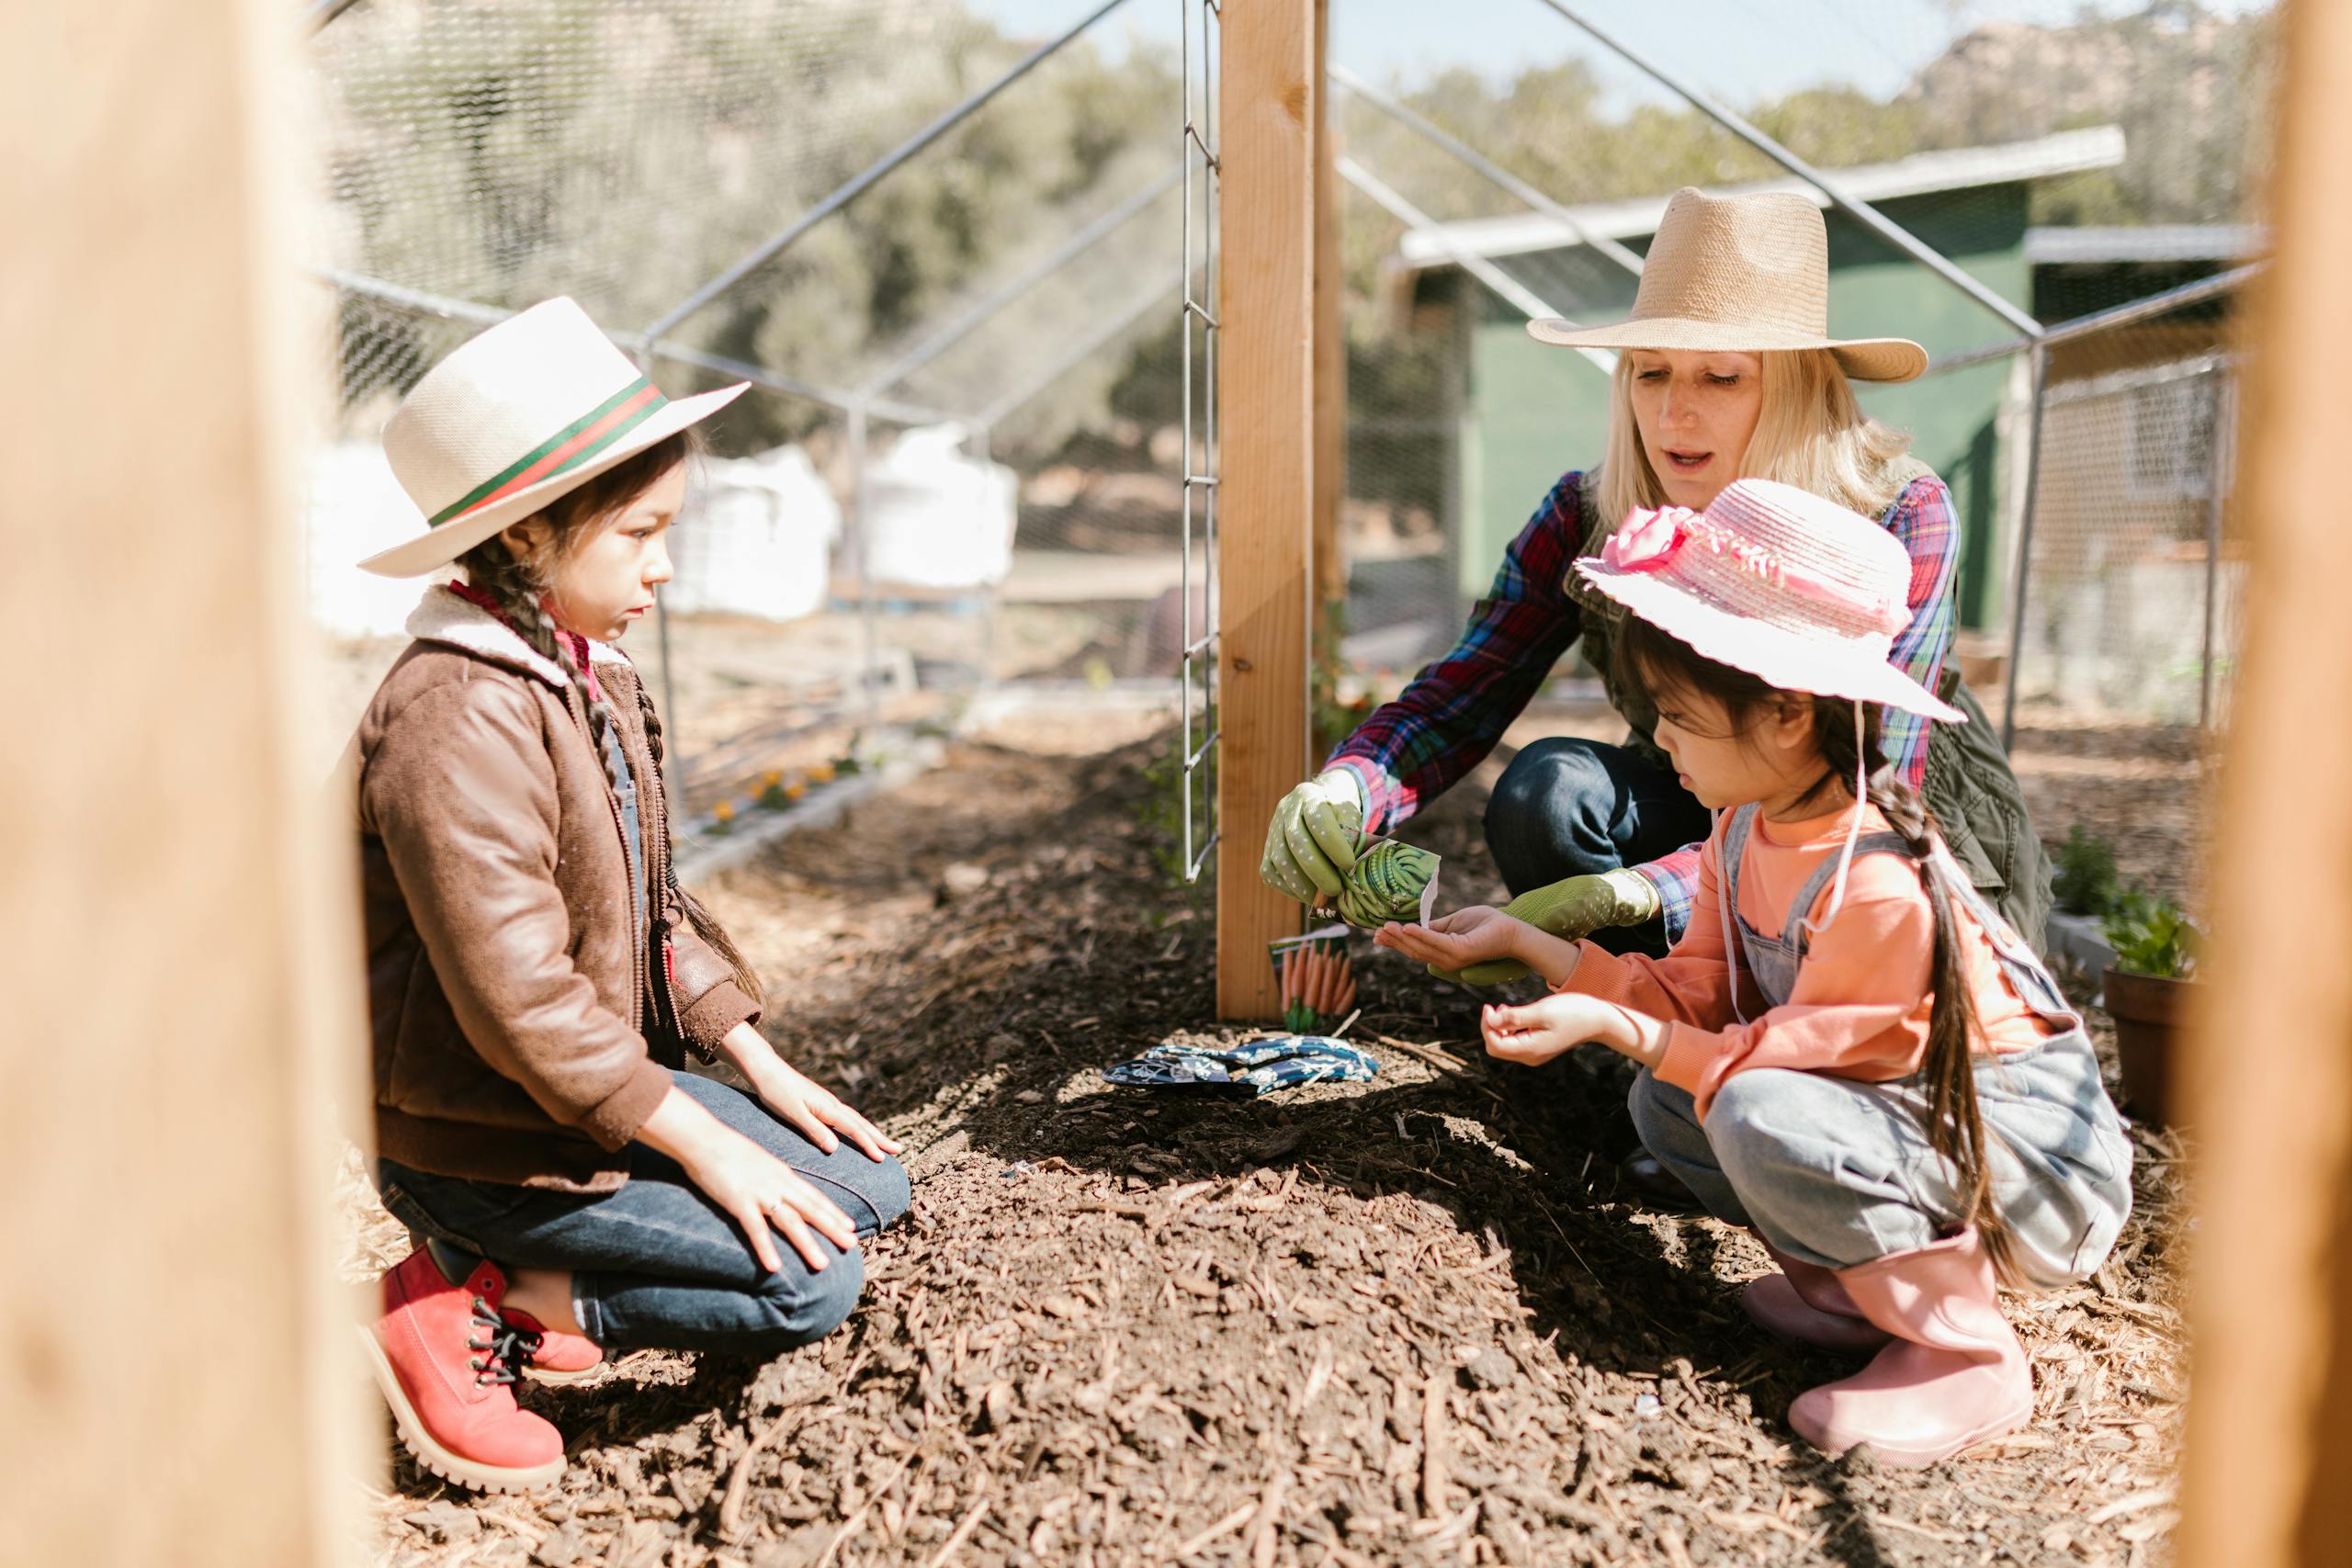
[2154,1498]
[964,1530]
[1347,1023]
[849,1526]
[738,1481]
[1263,1532]
[1224,1527]
[1435,1486]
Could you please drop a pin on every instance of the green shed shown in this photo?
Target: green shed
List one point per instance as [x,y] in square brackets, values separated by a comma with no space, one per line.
[1525,412]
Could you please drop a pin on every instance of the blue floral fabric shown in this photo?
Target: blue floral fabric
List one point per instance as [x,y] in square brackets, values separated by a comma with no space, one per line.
[1259,1067]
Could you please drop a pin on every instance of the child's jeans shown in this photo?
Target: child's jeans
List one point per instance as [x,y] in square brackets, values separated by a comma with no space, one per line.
[656,1264]
[1837,1172]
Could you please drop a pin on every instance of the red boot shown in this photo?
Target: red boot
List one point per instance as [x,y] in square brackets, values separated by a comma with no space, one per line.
[1804,1303]
[1954,1375]
[443,1356]
[549,1355]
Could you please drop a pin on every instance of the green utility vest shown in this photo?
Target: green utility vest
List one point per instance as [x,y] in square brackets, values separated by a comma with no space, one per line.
[1970,786]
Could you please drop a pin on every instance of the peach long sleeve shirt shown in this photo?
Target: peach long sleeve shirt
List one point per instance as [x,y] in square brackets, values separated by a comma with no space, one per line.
[1862,999]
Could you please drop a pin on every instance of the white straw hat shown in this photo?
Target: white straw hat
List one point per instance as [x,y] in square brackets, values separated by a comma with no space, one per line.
[1773,579]
[514,418]
[1739,274]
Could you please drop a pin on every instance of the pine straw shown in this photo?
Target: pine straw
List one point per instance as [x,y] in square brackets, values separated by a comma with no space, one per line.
[1406,1321]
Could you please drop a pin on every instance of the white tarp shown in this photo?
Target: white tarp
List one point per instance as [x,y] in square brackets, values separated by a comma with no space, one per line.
[757,539]
[941,519]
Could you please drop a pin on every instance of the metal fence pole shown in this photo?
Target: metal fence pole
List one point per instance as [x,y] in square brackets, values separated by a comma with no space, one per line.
[1862,212]
[2022,569]
[861,505]
[2218,475]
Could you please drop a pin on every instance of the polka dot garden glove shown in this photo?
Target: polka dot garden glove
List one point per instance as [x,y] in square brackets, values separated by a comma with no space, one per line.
[1312,843]
[1575,907]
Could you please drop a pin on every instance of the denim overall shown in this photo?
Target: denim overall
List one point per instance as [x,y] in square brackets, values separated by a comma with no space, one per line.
[1837,1172]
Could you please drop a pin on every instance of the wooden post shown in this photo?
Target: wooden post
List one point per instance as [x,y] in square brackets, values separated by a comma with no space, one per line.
[2269,1076]
[1270,102]
[1331,357]
[176,910]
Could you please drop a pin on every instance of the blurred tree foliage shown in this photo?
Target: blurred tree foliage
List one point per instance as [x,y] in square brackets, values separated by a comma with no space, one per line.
[625,151]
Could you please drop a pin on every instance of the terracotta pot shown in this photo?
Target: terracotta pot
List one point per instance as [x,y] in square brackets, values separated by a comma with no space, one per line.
[2149,1011]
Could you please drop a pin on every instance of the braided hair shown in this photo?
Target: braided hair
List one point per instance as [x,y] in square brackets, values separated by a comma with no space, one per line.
[520,584]
[1649,661]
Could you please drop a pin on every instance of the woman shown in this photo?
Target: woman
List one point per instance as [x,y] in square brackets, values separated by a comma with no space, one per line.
[1726,370]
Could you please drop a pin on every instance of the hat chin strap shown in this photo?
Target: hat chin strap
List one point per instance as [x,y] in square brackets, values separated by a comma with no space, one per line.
[1853,832]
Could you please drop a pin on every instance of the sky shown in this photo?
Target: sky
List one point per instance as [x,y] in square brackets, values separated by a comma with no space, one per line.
[1741,52]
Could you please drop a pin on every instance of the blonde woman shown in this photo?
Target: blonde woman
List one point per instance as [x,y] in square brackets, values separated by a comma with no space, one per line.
[1726,370]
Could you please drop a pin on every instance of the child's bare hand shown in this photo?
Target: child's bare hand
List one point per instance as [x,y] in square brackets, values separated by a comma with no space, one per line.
[765,1197]
[818,1112]
[1473,935]
[1540,1030]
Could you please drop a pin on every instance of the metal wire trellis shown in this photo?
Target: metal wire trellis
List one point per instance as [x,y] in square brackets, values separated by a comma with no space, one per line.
[1200,468]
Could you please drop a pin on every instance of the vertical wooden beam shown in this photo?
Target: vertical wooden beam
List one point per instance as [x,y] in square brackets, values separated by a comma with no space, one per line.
[2270,1071]
[1330,354]
[1269,103]
[176,910]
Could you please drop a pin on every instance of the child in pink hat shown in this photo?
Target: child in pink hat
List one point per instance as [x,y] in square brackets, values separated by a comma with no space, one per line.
[1848,1052]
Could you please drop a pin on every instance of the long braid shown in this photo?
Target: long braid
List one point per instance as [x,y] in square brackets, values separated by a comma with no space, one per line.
[520,591]
[705,923]
[1954,1122]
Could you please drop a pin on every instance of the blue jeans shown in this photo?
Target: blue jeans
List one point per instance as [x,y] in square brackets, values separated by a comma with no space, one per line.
[657,1265]
[1568,808]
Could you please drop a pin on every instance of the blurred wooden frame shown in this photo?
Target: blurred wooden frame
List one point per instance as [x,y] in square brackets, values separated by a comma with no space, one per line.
[2270,1078]
[178,927]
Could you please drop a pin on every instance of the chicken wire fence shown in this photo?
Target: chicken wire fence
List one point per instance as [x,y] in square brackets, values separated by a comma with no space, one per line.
[949,257]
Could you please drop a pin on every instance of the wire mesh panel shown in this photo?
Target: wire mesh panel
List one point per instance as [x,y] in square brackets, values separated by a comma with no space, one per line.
[2132,572]
[1197,675]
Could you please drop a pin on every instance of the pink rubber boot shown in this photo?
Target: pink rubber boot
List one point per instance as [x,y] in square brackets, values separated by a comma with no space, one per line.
[1804,1303]
[1954,1375]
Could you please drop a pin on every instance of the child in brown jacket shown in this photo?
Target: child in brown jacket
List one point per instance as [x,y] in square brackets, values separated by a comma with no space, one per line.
[536,974]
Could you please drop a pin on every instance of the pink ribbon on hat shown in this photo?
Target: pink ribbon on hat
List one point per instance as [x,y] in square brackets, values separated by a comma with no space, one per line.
[1650,538]
[1653,537]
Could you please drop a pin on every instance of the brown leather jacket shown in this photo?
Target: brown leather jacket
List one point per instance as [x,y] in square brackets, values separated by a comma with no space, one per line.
[525,1022]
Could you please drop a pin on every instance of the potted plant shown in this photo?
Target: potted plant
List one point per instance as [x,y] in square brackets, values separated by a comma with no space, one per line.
[2146,992]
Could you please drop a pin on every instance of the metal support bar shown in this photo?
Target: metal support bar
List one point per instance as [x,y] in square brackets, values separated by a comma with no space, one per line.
[994,414]
[784,238]
[1516,294]
[491,315]
[2219,476]
[2023,569]
[1494,172]
[2154,305]
[984,309]
[862,502]
[1870,217]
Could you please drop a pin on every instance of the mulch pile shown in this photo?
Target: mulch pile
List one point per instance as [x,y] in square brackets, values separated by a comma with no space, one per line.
[1414,1320]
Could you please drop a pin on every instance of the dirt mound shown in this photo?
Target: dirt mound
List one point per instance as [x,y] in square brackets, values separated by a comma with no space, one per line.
[1411,1320]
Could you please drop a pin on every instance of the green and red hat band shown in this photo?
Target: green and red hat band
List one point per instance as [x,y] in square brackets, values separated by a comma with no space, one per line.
[569,448]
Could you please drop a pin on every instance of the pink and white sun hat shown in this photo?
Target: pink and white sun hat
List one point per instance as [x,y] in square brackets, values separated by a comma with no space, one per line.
[1773,579]
[516,417]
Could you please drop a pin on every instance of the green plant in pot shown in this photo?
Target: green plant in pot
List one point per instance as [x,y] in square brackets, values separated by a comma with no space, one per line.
[2146,992]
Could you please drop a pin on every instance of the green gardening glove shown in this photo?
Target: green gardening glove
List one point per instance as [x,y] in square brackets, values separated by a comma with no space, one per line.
[1570,909]
[1312,843]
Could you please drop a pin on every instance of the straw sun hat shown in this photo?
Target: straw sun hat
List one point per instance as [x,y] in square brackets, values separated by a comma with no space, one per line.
[1773,579]
[516,418]
[1745,274]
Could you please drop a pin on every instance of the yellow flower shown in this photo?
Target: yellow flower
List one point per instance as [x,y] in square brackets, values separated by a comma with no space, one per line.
[821,774]
[724,811]
[795,790]
[772,778]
